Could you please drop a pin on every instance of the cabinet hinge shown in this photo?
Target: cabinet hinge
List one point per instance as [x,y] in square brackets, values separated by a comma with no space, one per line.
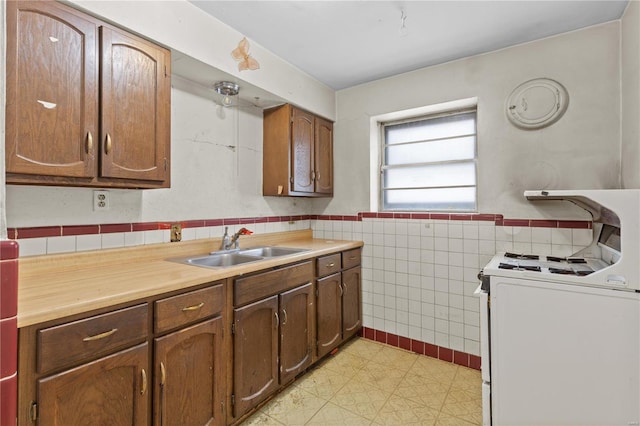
[165,71]
[33,411]
[233,399]
[165,164]
[233,328]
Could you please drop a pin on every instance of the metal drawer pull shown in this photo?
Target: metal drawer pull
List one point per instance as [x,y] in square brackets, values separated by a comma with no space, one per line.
[107,147]
[144,382]
[99,336]
[277,319]
[330,265]
[352,258]
[344,288]
[163,374]
[89,143]
[284,316]
[193,307]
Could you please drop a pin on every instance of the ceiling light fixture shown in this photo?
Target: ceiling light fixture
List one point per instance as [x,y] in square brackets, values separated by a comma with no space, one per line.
[226,89]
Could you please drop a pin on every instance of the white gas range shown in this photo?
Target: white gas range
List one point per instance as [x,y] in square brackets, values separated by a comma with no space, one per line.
[560,336]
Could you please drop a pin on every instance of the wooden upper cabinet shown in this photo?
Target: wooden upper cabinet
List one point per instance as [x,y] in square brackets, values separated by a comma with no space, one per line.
[52,103]
[324,157]
[135,90]
[298,153]
[302,152]
[87,104]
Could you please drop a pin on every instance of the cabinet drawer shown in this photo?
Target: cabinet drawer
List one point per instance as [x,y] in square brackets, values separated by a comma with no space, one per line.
[187,308]
[89,338]
[268,283]
[351,258]
[328,265]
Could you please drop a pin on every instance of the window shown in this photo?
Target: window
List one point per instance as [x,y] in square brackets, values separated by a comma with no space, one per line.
[429,163]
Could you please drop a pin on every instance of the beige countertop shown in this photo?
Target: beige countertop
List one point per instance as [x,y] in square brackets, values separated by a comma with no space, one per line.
[55,286]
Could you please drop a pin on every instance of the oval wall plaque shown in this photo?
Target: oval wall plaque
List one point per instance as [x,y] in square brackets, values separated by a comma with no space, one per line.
[537,103]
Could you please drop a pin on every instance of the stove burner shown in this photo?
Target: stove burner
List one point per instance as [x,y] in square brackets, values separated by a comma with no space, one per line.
[521,256]
[583,273]
[535,268]
[555,259]
[576,260]
[562,271]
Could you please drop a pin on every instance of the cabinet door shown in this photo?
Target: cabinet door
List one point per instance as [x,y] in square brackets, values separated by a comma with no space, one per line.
[324,156]
[135,113]
[302,161]
[351,302]
[296,316]
[52,93]
[109,391]
[189,376]
[329,313]
[255,361]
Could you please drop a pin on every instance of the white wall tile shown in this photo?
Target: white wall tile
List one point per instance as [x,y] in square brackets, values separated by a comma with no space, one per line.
[88,242]
[33,246]
[114,240]
[61,244]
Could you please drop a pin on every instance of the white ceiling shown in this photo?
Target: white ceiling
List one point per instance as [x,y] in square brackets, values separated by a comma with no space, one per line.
[346,43]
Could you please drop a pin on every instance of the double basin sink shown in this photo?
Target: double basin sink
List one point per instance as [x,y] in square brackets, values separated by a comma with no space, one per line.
[226,258]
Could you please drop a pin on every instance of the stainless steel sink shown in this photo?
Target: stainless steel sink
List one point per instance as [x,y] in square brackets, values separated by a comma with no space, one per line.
[221,260]
[268,251]
[227,258]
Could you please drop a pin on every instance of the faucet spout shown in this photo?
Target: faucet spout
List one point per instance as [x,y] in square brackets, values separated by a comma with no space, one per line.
[228,242]
[235,238]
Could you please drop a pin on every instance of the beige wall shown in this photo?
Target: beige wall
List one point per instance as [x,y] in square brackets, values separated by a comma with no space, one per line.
[580,151]
[630,93]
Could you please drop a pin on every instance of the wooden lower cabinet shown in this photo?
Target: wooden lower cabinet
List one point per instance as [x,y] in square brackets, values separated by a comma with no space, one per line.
[113,390]
[169,359]
[296,316]
[338,302]
[351,302]
[255,347]
[329,313]
[189,376]
[261,364]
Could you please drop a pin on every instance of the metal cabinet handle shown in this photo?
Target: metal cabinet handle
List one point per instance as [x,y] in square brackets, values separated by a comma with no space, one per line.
[144,382]
[284,320]
[163,374]
[344,288]
[99,336]
[277,319]
[341,290]
[107,146]
[89,143]
[313,175]
[318,176]
[330,265]
[193,307]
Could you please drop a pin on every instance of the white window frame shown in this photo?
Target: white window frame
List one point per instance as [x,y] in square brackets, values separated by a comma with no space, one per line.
[415,114]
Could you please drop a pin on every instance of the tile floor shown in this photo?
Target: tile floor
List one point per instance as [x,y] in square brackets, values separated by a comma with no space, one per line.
[369,383]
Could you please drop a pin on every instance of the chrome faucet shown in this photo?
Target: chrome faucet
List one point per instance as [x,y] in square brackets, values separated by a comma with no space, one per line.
[228,242]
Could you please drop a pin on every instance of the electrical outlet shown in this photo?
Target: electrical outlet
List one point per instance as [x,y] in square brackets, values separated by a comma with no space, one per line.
[176,232]
[100,201]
